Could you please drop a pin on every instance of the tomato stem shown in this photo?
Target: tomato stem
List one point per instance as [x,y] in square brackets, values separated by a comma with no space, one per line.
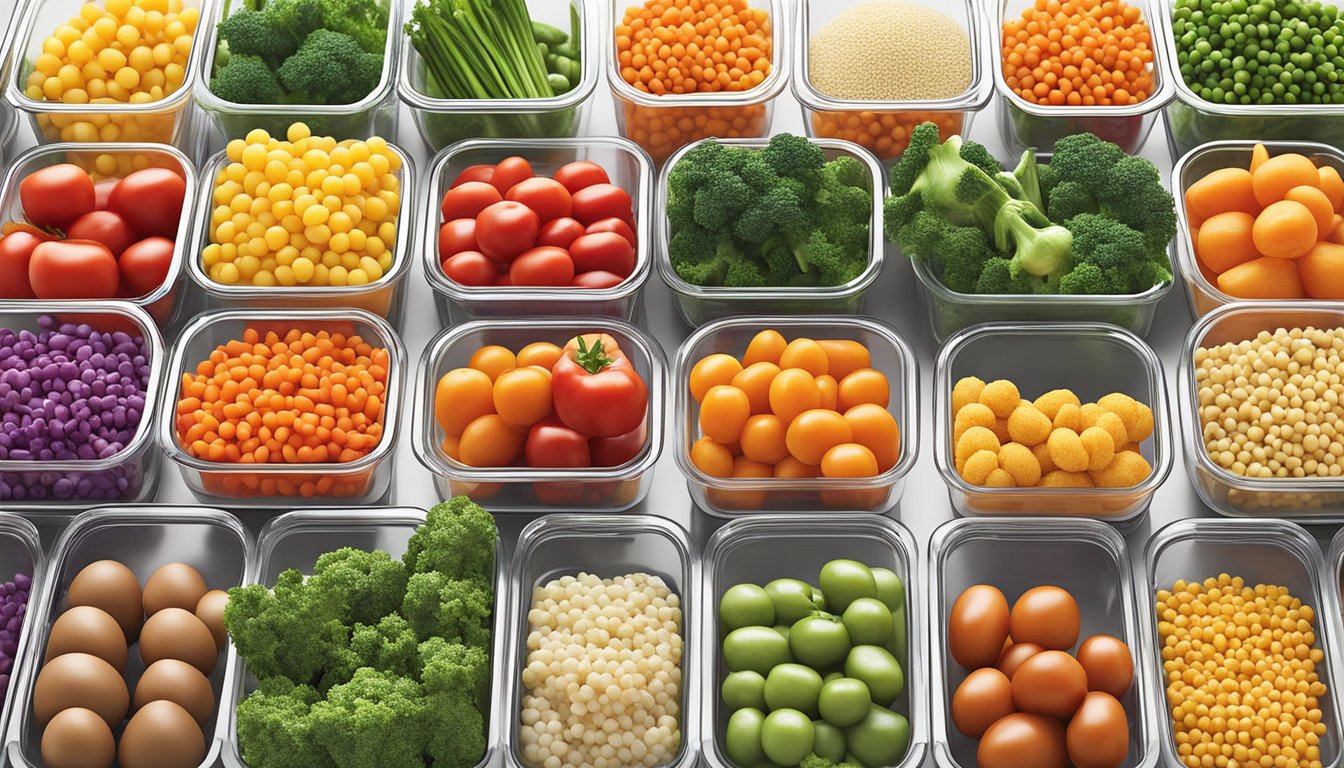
[592,359]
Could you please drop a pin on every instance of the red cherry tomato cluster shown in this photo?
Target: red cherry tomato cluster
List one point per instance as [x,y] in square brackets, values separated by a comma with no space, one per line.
[505,225]
[81,240]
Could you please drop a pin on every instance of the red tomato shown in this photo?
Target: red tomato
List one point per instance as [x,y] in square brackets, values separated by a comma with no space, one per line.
[471,268]
[548,198]
[615,451]
[503,281]
[560,232]
[596,389]
[506,229]
[543,265]
[57,195]
[150,201]
[601,201]
[103,227]
[510,171]
[474,173]
[101,191]
[617,225]
[16,249]
[580,174]
[597,280]
[603,251]
[456,236]
[467,200]
[144,265]
[73,269]
[552,444]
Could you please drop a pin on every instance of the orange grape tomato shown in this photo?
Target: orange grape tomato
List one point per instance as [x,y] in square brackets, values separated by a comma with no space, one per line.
[1220,191]
[763,439]
[792,392]
[542,353]
[814,433]
[523,396]
[755,381]
[806,354]
[462,395]
[1332,185]
[489,442]
[765,347]
[1316,201]
[744,467]
[1263,278]
[1259,154]
[1275,176]
[845,356]
[830,391]
[493,360]
[1322,271]
[711,371]
[866,385]
[711,458]
[875,428]
[793,469]
[848,460]
[451,447]
[724,412]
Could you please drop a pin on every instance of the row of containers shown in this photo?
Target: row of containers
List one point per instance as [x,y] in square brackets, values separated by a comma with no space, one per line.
[1116,597]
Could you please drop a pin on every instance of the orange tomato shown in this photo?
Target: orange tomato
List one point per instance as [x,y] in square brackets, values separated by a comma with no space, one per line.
[712,370]
[490,442]
[724,412]
[461,395]
[865,385]
[793,469]
[765,347]
[711,458]
[522,396]
[493,360]
[848,460]
[830,391]
[875,428]
[763,439]
[814,433]
[542,353]
[845,356]
[806,354]
[792,392]
[755,380]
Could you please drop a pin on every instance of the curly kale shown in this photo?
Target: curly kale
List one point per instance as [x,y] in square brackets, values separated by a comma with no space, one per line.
[288,631]
[390,645]
[275,728]
[378,718]
[456,680]
[368,584]
[437,605]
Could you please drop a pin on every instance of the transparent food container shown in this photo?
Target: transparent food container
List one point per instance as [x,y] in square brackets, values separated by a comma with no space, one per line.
[1024,124]
[272,485]
[162,303]
[732,496]
[796,546]
[143,538]
[1201,285]
[526,489]
[1261,552]
[1311,499]
[699,304]
[663,124]
[375,114]
[297,539]
[627,166]
[1085,557]
[1099,359]
[166,121]
[442,122]
[381,297]
[130,475]
[561,545]
[21,551]
[883,127]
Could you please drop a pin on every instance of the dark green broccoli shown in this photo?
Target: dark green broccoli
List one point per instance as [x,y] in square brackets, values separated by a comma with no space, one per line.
[1118,252]
[458,539]
[1090,175]
[289,631]
[378,718]
[330,68]
[245,79]
[254,33]
[998,276]
[368,584]
[437,605]
[275,729]
[364,20]
[816,761]
[456,681]
[390,646]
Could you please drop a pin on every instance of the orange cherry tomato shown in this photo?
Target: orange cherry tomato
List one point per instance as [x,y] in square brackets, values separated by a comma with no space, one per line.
[875,428]
[724,412]
[830,391]
[793,391]
[845,356]
[814,433]
[806,354]
[711,458]
[766,347]
[865,385]
[711,371]
[763,439]
[849,460]
[462,395]
[490,442]
[542,353]
[493,360]
[522,396]
[793,469]
[755,381]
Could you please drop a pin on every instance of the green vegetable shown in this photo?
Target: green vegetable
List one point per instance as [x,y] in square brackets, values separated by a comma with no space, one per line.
[744,605]
[247,79]
[330,68]
[816,761]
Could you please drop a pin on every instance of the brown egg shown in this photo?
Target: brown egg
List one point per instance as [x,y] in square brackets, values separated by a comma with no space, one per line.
[1021,740]
[1098,734]
[173,633]
[1051,683]
[1014,655]
[161,735]
[80,680]
[1046,616]
[175,585]
[178,682]
[78,738]
[210,609]
[111,586]
[983,697]
[1108,664]
[85,629]
[978,626]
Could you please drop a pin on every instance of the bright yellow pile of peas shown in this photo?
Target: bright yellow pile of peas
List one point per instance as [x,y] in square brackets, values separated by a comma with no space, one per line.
[1240,664]
[306,211]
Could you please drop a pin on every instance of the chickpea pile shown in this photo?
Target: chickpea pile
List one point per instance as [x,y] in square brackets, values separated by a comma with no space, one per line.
[1240,664]
[306,211]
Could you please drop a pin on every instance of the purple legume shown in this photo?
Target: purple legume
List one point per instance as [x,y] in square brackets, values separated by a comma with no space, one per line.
[13,607]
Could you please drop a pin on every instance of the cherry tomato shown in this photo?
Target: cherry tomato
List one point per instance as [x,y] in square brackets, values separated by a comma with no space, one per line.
[543,265]
[597,279]
[471,268]
[57,195]
[765,347]
[848,460]
[603,251]
[560,232]
[144,265]
[542,353]
[546,197]
[503,280]
[806,354]
[101,191]
[493,360]
[506,229]
[601,201]
[467,200]
[150,201]
[866,385]
[552,444]
[475,173]
[103,227]
[724,411]
[522,396]
[510,171]
[617,225]
[580,174]
[793,391]
[755,380]
[615,451]
[711,458]
[16,249]
[456,236]
[874,427]
[461,396]
[73,269]
[489,442]
[812,433]
[712,370]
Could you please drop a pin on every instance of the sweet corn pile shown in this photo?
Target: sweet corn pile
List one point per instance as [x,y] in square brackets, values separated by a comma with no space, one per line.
[304,211]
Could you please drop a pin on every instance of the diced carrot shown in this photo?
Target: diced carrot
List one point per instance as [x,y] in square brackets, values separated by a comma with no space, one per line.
[1264,278]
[1322,271]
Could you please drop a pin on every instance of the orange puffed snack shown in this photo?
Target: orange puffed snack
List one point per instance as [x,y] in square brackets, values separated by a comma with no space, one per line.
[1079,53]
[885,134]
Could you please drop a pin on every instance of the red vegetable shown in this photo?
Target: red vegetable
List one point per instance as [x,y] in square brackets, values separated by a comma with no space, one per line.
[613,224]
[560,232]
[468,200]
[57,195]
[615,451]
[597,280]
[16,249]
[510,171]
[474,173]
[103,227]
[72,269]
[596,388]
[470,268]
[543,265]
[580,174]
[101,191]
[144,265]
[546,197]
[150,201]
[603,251]
[552,444]
[456,236]
[506,229]
[601,201]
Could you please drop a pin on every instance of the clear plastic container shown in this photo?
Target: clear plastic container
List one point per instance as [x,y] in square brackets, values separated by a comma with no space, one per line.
[161,303]
[733,496]
[760,549]
[1085,557]
[358,482]
[699,304]
[442,122]
[628,167]
[1261,552]
[851,119]
[21,551]
[1200,285]
[1024,124]
[1310,500]
[1101,359]
[526,489]
[131,475]
[375,114]
[560,545]
[663,124]
[166,121]
[143,538]
[381,297]
[297,539]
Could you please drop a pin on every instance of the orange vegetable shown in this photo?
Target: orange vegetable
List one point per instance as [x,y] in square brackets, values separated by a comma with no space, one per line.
[845,356]
[1336,233]
[848,460]
[1225,241]
[493,360]
[814,432]
[692,46]
[1263,278]
[542,353]
[1079,53]
[1280,173]
[711,371]
[711,458]
[792,392]
[724,412]
[490,442]
[462,395]
[1316,201]
[885,134]
[806,354]
[523,396]
[763,439]
[1285,229]
[830,391]
[865,385]
[765,347]
[1259,154]
[1223,190]
[755,380]
[1322,271]
[1332,185]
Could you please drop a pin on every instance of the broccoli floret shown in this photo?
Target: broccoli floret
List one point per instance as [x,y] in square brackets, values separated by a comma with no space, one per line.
[368,584]
[1028,177]
[275,729]
[1118,252]
[254,33]
[978,155]
[378,718]
[245,79]
[289,631]
[778,208]
[699,256]
[458,539]
[390,646]
[456,680]
[998,276]
[794,157]
[438,605]
[1090,175]
[1086,280]
[955,254]
[363,20]
[330,68]
[816,761]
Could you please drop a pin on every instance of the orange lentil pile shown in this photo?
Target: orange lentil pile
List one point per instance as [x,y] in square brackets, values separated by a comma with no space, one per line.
[693,46]
[1079,53]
